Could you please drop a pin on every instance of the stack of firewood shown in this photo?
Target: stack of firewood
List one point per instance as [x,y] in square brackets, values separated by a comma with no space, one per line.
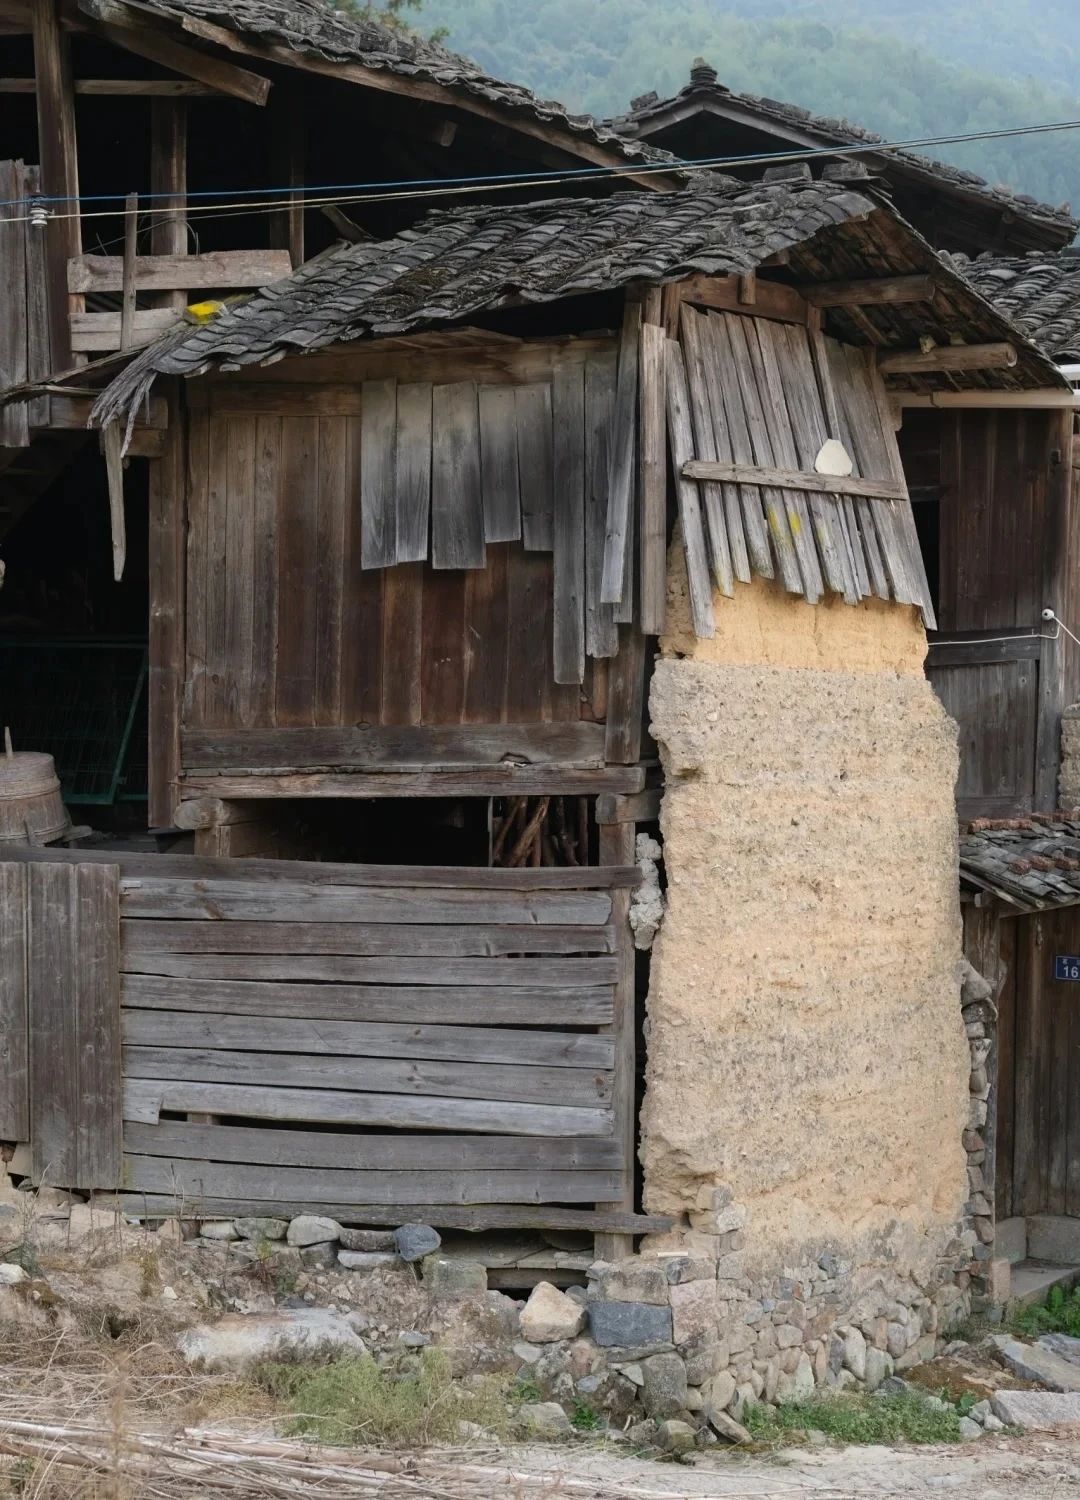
[533,831]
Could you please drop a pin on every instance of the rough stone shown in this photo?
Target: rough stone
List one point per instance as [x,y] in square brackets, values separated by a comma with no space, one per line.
[367,1260]
[879,1367]
[223,1229]
[450,1277]
[239,1340]
[12,1275]
[415,1241]
[855,1353]
[719,1391]
[674,1436]
[260,1229]
[788,1337]
[1034,1362]
[993,1424]
[544,1420]
[625,1324]
[969,1429]
[633,1280]
[725,1426]
[367,1241]
[319,1257]
[1062,1345]
[529,1354]
[679,1269]
[664,1391]
[693,1310]
[802,1381]
[1036,1409]
[549,1315]
[312,1229]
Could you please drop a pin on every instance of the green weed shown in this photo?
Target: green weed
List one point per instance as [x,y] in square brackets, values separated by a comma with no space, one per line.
[585,1419]
[1060,1314]
[352,1401]
[856,1419]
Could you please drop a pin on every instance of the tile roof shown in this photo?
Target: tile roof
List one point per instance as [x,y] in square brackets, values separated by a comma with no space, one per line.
[314,29]
[1030,863]
[457,263]
[1039,293]
[704,88]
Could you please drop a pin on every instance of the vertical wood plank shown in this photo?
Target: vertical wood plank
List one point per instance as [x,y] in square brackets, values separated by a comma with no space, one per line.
[681,438]
[618,541]
[532,405]
[1028,1157]
[362,610]
[499,463]
[626,698]
[127,294]
[442,666]
[39,355]
[457,509]
[378,497]
[52,964]
[239,570]
[97,994]
[168,185]
[14,419]
[402,642]
[698,369]
[568,417]
[528,638]
[1055,587]
[59,166]
[216,567]
[197,601]
[412,475]
[652,479]
[298,511]
[1060,1064]
[731,346]
[601,631]
[998,1168]
[486,619]
[264,627]
[617,847]
[167,515]
[14,1099]
[330,583]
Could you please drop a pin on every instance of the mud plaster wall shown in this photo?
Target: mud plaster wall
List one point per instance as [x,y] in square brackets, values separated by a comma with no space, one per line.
[805,1042]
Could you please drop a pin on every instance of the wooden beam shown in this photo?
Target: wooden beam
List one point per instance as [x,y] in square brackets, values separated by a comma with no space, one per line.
[59,169]
[652,477]
[728,293]
[93,332]
[127,304]
[168,184]
[881,291]
[1047,398]
[530,781]
[238,269]
[288,153]
[123,88]
[72,413]
[790,479]
[948,357]
[564,139]
[130,31]
[168,532]
[637,807]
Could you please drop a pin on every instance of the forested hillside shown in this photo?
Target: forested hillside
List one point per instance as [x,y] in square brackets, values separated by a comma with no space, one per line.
[902,67]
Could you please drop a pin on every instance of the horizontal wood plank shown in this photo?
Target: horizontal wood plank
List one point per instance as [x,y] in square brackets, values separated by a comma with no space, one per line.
[94,331]
[641,807]
[145,1099]
[291,901]
[314,873]
[183,1140]
[334,968]
[518,1083]
[420,747]
[443,1216]
[217,269]
[361,939]
[512,781]
[1000,356]
[468,1005]
[879,291]
[791,479]
[478,1044]
[193,1180]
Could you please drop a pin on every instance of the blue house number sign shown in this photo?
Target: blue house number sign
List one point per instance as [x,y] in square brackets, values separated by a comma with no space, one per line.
[1067,966]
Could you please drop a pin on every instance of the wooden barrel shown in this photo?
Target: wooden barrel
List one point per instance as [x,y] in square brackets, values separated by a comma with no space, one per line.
[31,808]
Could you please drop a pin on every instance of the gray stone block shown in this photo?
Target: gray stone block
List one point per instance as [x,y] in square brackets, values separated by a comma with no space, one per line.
[413,1241]
[663,1392]
[1032,1362]
[1040,1410]
[626,1324]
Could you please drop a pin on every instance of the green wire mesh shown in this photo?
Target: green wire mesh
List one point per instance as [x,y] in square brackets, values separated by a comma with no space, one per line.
[84,703]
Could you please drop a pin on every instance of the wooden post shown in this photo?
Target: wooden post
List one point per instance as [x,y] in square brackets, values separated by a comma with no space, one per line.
[59,168]
[168,526]
[1055,553]
[288,160]
[127,295]
[168,175]
[652,479]
[617,848]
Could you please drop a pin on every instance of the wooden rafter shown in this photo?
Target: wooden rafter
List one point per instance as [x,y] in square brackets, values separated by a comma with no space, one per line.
[881,291]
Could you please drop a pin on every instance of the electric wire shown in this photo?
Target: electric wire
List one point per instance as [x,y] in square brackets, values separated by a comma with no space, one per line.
[440,187]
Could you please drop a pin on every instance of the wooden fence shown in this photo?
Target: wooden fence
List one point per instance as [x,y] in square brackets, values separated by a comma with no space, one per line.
[378,1043]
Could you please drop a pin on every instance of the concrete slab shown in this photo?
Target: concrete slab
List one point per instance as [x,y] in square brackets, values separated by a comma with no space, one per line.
[1010,1239]
[1038,1410]
[1055,1238]
[1032,1280]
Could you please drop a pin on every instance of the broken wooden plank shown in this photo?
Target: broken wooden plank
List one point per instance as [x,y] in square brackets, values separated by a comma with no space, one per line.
[378,495]
[601,373]
[457,509]
[499,463]
[532,406]
[568,425]
[215,269]
[412,471]
[375,939]
[681,438]
[615,582]
[652,479]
